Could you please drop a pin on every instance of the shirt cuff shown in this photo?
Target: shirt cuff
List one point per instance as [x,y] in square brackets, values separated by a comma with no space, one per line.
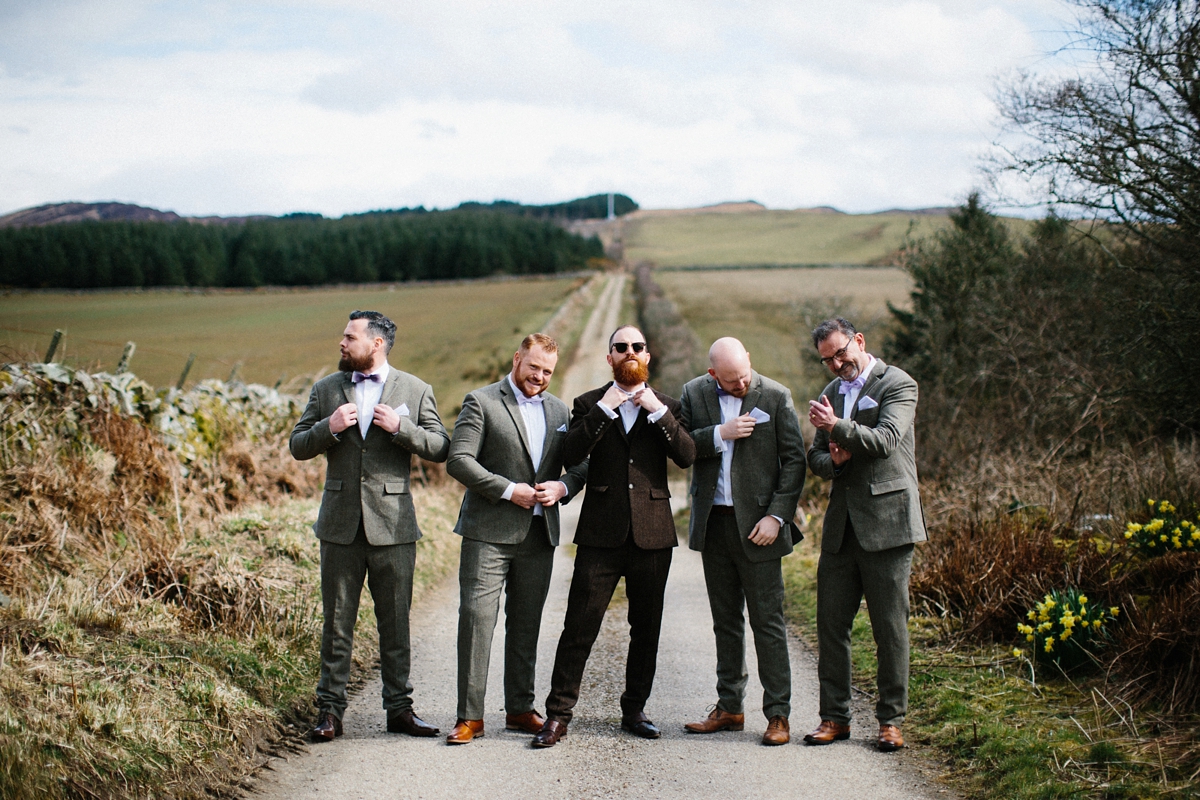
[657,415]
[566,490]
[608,411]
[718,442]
[779,520]
[508,493]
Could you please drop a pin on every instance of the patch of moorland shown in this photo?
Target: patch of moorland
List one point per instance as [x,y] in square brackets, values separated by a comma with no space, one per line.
[159,618]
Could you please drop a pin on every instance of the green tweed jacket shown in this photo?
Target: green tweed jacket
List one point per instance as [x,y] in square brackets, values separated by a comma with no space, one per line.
[368,478]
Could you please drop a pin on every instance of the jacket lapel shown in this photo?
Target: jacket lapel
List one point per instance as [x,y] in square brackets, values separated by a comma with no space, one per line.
[553,420]
[510,402]
[872,379]
[750,401]
[348,387]
[712,403]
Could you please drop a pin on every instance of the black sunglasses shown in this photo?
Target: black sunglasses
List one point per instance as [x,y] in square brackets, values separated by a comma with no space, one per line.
[621,347]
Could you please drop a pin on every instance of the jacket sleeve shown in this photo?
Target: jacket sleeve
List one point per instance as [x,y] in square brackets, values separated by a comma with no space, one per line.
[588,424]
[311,437]
[680,445]
[575,479]
[427,436]
[897,408]
[702,437]
[789,445]
[463,461]
[819,460]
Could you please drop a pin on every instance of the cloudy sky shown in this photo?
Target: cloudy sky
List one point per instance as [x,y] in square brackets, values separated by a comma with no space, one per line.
[340,106]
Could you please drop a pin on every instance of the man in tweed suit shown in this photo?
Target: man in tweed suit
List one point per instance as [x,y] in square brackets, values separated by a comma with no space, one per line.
[864,445]
[627,431]
[507,450]
[746,482]
[369,420]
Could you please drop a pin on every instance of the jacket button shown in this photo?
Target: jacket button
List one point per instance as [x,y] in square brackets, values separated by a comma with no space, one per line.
[631,486]
[631,461]
[364,480]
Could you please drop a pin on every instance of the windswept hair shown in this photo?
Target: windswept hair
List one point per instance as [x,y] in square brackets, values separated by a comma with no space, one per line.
[378,325]
[827,328]
[541,340]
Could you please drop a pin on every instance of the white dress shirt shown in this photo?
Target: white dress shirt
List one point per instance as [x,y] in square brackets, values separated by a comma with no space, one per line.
[730,407]
[852,395]
[366,397]
[629,409]
[534,417]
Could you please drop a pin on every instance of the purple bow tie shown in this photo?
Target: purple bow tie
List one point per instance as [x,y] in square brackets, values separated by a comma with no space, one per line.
[849,386]
[721,392]
[522,400]
[359,377]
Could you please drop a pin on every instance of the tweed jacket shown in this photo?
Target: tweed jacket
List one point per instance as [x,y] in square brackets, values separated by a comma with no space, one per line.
[490,449]
[627,472]
[877,488]
[768,469]
[367,478]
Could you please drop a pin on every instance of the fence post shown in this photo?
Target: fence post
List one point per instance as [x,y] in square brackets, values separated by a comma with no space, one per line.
[186,369]
[123,364]
[53,346]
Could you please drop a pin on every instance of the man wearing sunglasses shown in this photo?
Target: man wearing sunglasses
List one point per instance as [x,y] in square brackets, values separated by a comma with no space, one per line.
[864,445]
[626,431]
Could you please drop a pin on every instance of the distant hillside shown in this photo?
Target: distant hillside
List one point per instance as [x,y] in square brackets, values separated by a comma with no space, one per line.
[594,207]
[59,213]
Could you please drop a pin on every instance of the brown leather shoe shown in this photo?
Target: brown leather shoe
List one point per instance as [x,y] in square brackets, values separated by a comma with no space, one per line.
[550,733]
[407,722]
[465,730]
[717,720]
[889,739]
[828,731]
[530,722]
[328,728]
[778,731]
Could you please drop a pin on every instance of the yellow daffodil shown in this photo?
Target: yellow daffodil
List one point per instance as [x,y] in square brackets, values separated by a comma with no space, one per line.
[1029,638]
[1018,652]
[1114,611]
[1083,599]
[1049,645]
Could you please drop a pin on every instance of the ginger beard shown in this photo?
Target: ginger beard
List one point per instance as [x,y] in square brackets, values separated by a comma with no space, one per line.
[630,371]
[349,363]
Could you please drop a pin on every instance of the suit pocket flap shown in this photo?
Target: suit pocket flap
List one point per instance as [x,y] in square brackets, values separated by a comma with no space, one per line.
[598,489]
[764,500]
[892,485]
[333,485]
[395,487]
[659,494]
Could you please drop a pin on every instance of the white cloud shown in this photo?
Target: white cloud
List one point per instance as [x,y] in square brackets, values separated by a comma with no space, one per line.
[344,106]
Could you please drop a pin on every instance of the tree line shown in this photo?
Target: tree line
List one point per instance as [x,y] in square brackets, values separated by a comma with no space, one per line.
[297,250]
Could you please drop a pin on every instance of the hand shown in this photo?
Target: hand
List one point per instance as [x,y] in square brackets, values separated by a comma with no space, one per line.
[613,397]
[524,495]
[821,415]
[765,532]
[738,428]
[550,492]
[386,417]
[647,399]
[345,416]
[839,454]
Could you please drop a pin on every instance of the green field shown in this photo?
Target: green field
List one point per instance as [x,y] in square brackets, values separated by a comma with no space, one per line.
[450,334]
[765,237]
[773,310]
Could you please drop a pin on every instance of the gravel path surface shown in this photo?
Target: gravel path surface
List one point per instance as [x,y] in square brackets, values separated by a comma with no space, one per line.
[597,759]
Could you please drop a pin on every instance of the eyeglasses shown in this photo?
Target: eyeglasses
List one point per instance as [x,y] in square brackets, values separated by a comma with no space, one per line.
[621,347]
[840,355]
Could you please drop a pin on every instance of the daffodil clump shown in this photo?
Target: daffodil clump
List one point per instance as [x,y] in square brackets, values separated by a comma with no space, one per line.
[1167,531]
[1066,628]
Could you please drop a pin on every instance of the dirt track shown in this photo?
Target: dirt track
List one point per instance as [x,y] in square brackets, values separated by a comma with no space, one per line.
[597,759]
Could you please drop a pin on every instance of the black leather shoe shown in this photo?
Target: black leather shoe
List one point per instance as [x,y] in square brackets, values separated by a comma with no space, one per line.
[640,725]
[550,733]
[407,722]
[328,728]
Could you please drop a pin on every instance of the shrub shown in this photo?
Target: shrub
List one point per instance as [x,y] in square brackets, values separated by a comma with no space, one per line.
[1166,531]
[1065,630]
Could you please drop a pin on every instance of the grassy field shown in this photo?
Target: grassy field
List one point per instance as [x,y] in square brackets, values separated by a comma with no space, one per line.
[450,334]
[773,310]
[771,237]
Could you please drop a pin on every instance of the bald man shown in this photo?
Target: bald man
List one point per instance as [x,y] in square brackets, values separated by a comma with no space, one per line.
[746,482]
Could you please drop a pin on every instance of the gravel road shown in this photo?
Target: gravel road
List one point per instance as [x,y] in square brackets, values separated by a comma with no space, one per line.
[597,759]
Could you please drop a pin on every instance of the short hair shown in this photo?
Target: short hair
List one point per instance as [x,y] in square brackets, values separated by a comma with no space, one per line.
[378,325]
[541,340]
[613,335]
[827,328]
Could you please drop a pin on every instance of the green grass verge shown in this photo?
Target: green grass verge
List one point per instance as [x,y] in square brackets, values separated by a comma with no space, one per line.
[1001,731]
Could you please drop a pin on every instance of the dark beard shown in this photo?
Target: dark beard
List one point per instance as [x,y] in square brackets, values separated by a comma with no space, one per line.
[347,364]
[631,372]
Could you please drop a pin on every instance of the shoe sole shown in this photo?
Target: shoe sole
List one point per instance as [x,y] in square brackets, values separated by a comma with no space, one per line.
[775,744]
[734,728]
[819,742]
[888,748]
[464,741]
[549,744]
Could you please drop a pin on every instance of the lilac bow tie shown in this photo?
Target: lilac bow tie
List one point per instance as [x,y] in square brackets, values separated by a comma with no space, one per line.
[849,386]
[721,392]
[522,400]
[359,377]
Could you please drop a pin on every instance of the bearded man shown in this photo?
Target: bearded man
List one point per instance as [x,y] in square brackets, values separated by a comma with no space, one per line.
[626,431]
[369,419]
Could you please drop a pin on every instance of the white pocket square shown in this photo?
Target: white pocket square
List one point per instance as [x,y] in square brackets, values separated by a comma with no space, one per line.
[402,410]
[758,415]
[562,428]
[865,403]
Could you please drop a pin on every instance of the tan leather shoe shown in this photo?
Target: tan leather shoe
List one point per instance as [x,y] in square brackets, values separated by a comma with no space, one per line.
[778,731]
[717,720]
[530,722]
[889,739]
[465,730]
[828,731]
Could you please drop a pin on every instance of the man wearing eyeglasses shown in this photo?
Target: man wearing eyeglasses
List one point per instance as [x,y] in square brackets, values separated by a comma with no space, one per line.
[626,431]
[864,445]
